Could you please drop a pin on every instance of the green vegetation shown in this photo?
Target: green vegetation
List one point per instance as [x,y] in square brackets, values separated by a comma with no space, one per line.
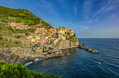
[6,43]
[72,38]
[21,31]
[9,37]
[8,70]
[21,15]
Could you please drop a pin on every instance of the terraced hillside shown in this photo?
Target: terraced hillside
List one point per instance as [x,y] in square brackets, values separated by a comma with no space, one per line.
[8,15]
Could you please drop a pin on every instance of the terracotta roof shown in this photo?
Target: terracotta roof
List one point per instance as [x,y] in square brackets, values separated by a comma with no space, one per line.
[34,26]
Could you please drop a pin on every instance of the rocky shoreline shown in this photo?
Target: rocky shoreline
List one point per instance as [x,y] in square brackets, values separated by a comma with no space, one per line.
[10,57]
[29,58]
[58,53]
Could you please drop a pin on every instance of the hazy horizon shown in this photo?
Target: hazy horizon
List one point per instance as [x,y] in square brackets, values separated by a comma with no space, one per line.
[87,18]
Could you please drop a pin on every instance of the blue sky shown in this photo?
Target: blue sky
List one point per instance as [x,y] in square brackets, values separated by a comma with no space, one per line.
[88,18]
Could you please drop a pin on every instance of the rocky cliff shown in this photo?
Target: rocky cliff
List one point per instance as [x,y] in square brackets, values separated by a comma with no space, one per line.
[64,44]
[41,44]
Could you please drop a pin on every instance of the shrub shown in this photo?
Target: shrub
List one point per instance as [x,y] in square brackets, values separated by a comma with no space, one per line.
[18,36]
[8,70]
[1,38]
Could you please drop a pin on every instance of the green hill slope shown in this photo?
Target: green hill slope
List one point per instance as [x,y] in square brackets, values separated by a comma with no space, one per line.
[21,15]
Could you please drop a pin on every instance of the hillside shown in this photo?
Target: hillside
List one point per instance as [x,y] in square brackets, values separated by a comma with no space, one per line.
[25,37]
[8,15]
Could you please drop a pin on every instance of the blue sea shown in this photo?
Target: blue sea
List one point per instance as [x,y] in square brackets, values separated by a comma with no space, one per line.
[82,64]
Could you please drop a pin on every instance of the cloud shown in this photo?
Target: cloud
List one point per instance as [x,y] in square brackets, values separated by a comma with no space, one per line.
[113,5]
[8,3]
[87,6]
[48,7]
[75,7]
[64,4]
[109,6]
[110,19]
[75,10]
[110,32]
[100,10]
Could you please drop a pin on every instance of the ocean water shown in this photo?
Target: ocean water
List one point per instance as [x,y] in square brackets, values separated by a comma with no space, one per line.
[82,64]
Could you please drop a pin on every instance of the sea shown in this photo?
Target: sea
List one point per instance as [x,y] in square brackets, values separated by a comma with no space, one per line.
[82,64]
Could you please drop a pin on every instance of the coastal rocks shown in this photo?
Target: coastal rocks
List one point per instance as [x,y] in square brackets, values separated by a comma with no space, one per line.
[25,57]
[65,44]
[68,54]
[44,56]
[87,49]
[55,53]
[13,58]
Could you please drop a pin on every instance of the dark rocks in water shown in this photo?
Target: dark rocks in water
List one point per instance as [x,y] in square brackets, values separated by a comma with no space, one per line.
[67,53]
[87,49]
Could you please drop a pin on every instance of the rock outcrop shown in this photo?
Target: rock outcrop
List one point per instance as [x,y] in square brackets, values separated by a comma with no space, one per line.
[87,49]
[24,57]
[64,44]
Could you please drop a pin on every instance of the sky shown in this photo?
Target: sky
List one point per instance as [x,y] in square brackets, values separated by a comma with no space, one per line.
[87,18]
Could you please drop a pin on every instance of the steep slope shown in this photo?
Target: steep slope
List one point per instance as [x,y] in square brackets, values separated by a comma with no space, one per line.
[21,15]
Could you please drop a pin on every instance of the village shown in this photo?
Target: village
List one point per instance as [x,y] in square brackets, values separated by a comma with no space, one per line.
[43,36]
[21,26]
